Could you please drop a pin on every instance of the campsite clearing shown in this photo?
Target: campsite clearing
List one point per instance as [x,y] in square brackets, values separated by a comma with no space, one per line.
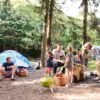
[27,88]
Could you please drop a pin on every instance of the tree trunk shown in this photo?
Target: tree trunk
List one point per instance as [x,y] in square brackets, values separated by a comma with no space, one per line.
[51,7]
[98,31]
[44,34]
[85,21]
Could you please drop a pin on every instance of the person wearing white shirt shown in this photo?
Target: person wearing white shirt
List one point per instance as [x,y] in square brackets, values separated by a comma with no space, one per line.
[58,57]
[95,53]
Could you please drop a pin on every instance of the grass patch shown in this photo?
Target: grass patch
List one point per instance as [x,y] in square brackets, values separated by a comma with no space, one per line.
[92,64]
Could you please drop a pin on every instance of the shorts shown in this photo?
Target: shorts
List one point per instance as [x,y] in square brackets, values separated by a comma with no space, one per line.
[48,70]
[69,68]
[7,74]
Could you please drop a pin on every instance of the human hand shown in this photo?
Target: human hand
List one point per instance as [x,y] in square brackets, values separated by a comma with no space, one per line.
[67,59]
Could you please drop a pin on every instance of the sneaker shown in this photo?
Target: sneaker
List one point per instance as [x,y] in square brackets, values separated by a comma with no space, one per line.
[97,79]
[0,79]
[13,79]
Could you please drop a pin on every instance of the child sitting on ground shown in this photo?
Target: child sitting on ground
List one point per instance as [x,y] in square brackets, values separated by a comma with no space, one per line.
[49,64]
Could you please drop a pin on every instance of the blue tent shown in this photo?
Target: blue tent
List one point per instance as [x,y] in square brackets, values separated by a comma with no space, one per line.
[16,57]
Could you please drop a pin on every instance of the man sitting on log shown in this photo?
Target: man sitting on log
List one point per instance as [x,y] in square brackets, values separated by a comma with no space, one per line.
[8,69]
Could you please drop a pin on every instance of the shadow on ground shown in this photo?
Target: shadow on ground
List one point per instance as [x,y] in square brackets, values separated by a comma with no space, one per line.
[28,88]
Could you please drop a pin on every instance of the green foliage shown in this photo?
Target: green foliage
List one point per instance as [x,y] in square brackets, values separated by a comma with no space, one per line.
[67,30]
[21,29]
[46,81]
[92,64]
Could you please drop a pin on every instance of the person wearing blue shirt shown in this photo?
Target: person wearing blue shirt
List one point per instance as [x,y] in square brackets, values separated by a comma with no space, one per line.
[8,69]
[49,63]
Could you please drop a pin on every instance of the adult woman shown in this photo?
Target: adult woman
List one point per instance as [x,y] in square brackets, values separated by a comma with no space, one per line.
[78,58]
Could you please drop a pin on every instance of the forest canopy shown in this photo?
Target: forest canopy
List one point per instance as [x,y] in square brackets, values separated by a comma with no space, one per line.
[21,25]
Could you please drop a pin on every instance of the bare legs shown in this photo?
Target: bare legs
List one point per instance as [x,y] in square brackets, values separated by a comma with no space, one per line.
[98,68]
[69,75]
[2,72]
[12,72]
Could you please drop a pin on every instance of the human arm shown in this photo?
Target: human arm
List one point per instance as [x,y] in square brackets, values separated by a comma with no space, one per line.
[59,56]
[1,66]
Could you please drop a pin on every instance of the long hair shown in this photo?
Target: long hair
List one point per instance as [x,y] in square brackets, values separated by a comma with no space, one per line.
[69,48]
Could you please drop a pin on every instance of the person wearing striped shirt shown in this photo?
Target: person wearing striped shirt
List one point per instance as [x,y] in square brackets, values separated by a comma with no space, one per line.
[95,53]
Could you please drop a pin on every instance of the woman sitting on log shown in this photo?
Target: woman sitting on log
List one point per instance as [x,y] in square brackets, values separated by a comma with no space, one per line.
[78,58]
[78,69]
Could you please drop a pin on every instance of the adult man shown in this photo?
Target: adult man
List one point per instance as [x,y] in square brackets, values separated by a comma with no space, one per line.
[58,57]
[95,51]
[8,69]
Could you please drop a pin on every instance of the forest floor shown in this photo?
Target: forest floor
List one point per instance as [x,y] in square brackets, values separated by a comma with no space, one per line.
[27,88]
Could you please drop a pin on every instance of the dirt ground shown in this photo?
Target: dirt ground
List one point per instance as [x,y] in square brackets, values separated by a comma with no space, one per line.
[27,88]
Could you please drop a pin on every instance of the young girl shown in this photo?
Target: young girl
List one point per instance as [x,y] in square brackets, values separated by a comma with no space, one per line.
[49,64]
[68,65]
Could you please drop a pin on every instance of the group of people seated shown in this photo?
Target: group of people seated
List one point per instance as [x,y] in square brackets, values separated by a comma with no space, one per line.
[57,58]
